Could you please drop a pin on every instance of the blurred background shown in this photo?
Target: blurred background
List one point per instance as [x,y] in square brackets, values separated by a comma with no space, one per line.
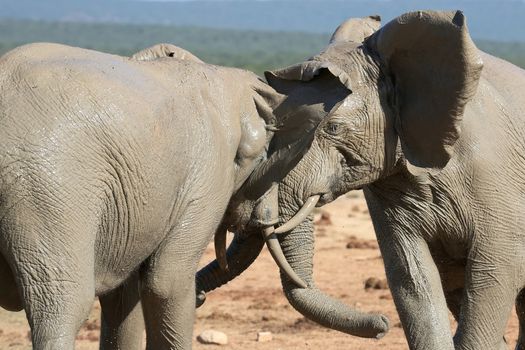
[258,35]
[252,34]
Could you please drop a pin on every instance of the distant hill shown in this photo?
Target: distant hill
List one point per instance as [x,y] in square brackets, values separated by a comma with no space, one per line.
[254,50]
[500,20]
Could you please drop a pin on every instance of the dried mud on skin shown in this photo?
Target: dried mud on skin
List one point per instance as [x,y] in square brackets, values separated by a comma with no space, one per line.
[346,258]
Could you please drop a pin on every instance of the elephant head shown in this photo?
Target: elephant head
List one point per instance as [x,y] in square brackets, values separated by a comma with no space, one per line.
[283,191]
[358,112]
[396,103]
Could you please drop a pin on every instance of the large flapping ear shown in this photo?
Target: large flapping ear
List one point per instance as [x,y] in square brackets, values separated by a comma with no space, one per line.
[164,50]
[310,91]
[356,29]
[435,68]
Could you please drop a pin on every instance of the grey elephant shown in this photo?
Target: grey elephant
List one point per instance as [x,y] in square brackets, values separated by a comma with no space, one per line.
[114,175]
[432,130]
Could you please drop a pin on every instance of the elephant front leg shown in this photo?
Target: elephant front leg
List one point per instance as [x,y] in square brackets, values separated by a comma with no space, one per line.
[487,302]
[416,288]
[454,299]
[122,321]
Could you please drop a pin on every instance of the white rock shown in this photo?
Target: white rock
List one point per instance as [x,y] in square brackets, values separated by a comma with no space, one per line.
[264,337]
[211,336]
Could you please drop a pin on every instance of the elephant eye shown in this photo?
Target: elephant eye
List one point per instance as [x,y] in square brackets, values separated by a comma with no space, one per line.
[333,128]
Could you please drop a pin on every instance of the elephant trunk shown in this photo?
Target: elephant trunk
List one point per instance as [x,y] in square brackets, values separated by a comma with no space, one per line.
[298,248]
[241,253]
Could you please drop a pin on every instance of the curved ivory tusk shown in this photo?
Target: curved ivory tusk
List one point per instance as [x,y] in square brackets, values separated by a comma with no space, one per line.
[277,254]
[220,248]
[302,214]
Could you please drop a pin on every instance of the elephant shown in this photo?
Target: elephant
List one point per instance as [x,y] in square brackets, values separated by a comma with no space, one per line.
[116,172]
[432,130]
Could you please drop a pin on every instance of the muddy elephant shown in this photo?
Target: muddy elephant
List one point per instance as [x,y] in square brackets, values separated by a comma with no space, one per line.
[114,175]
[432,130]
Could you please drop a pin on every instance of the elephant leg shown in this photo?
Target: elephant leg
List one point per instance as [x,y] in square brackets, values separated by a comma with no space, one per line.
[417,292]
[413,278]
[454,299]
[486,305]
[168,283]
[520,311]
[122,321]
[56,284]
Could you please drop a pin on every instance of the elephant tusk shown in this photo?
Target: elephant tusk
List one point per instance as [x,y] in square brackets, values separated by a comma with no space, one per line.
[277,254]
[220,248]
[299,217]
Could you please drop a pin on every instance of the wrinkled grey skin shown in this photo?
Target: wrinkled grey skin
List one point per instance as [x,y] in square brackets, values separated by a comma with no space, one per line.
[115,173]
[433,132]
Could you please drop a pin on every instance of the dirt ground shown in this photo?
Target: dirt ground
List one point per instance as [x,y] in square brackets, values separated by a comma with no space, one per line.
[346,256]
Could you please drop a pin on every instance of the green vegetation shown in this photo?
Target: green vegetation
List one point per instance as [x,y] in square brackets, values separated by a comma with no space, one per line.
[512,52]
[254,50]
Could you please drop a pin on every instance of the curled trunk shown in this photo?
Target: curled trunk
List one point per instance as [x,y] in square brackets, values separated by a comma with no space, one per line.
[240,255]
[298,248]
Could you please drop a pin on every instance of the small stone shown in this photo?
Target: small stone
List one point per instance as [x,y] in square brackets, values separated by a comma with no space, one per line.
[376,283]
[356,243]
[264,337]
[371,282]
[211,336]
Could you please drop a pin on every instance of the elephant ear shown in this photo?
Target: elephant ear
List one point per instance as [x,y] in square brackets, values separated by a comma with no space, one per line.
[164,50]
[435,68]
[310,90]
[356,29]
